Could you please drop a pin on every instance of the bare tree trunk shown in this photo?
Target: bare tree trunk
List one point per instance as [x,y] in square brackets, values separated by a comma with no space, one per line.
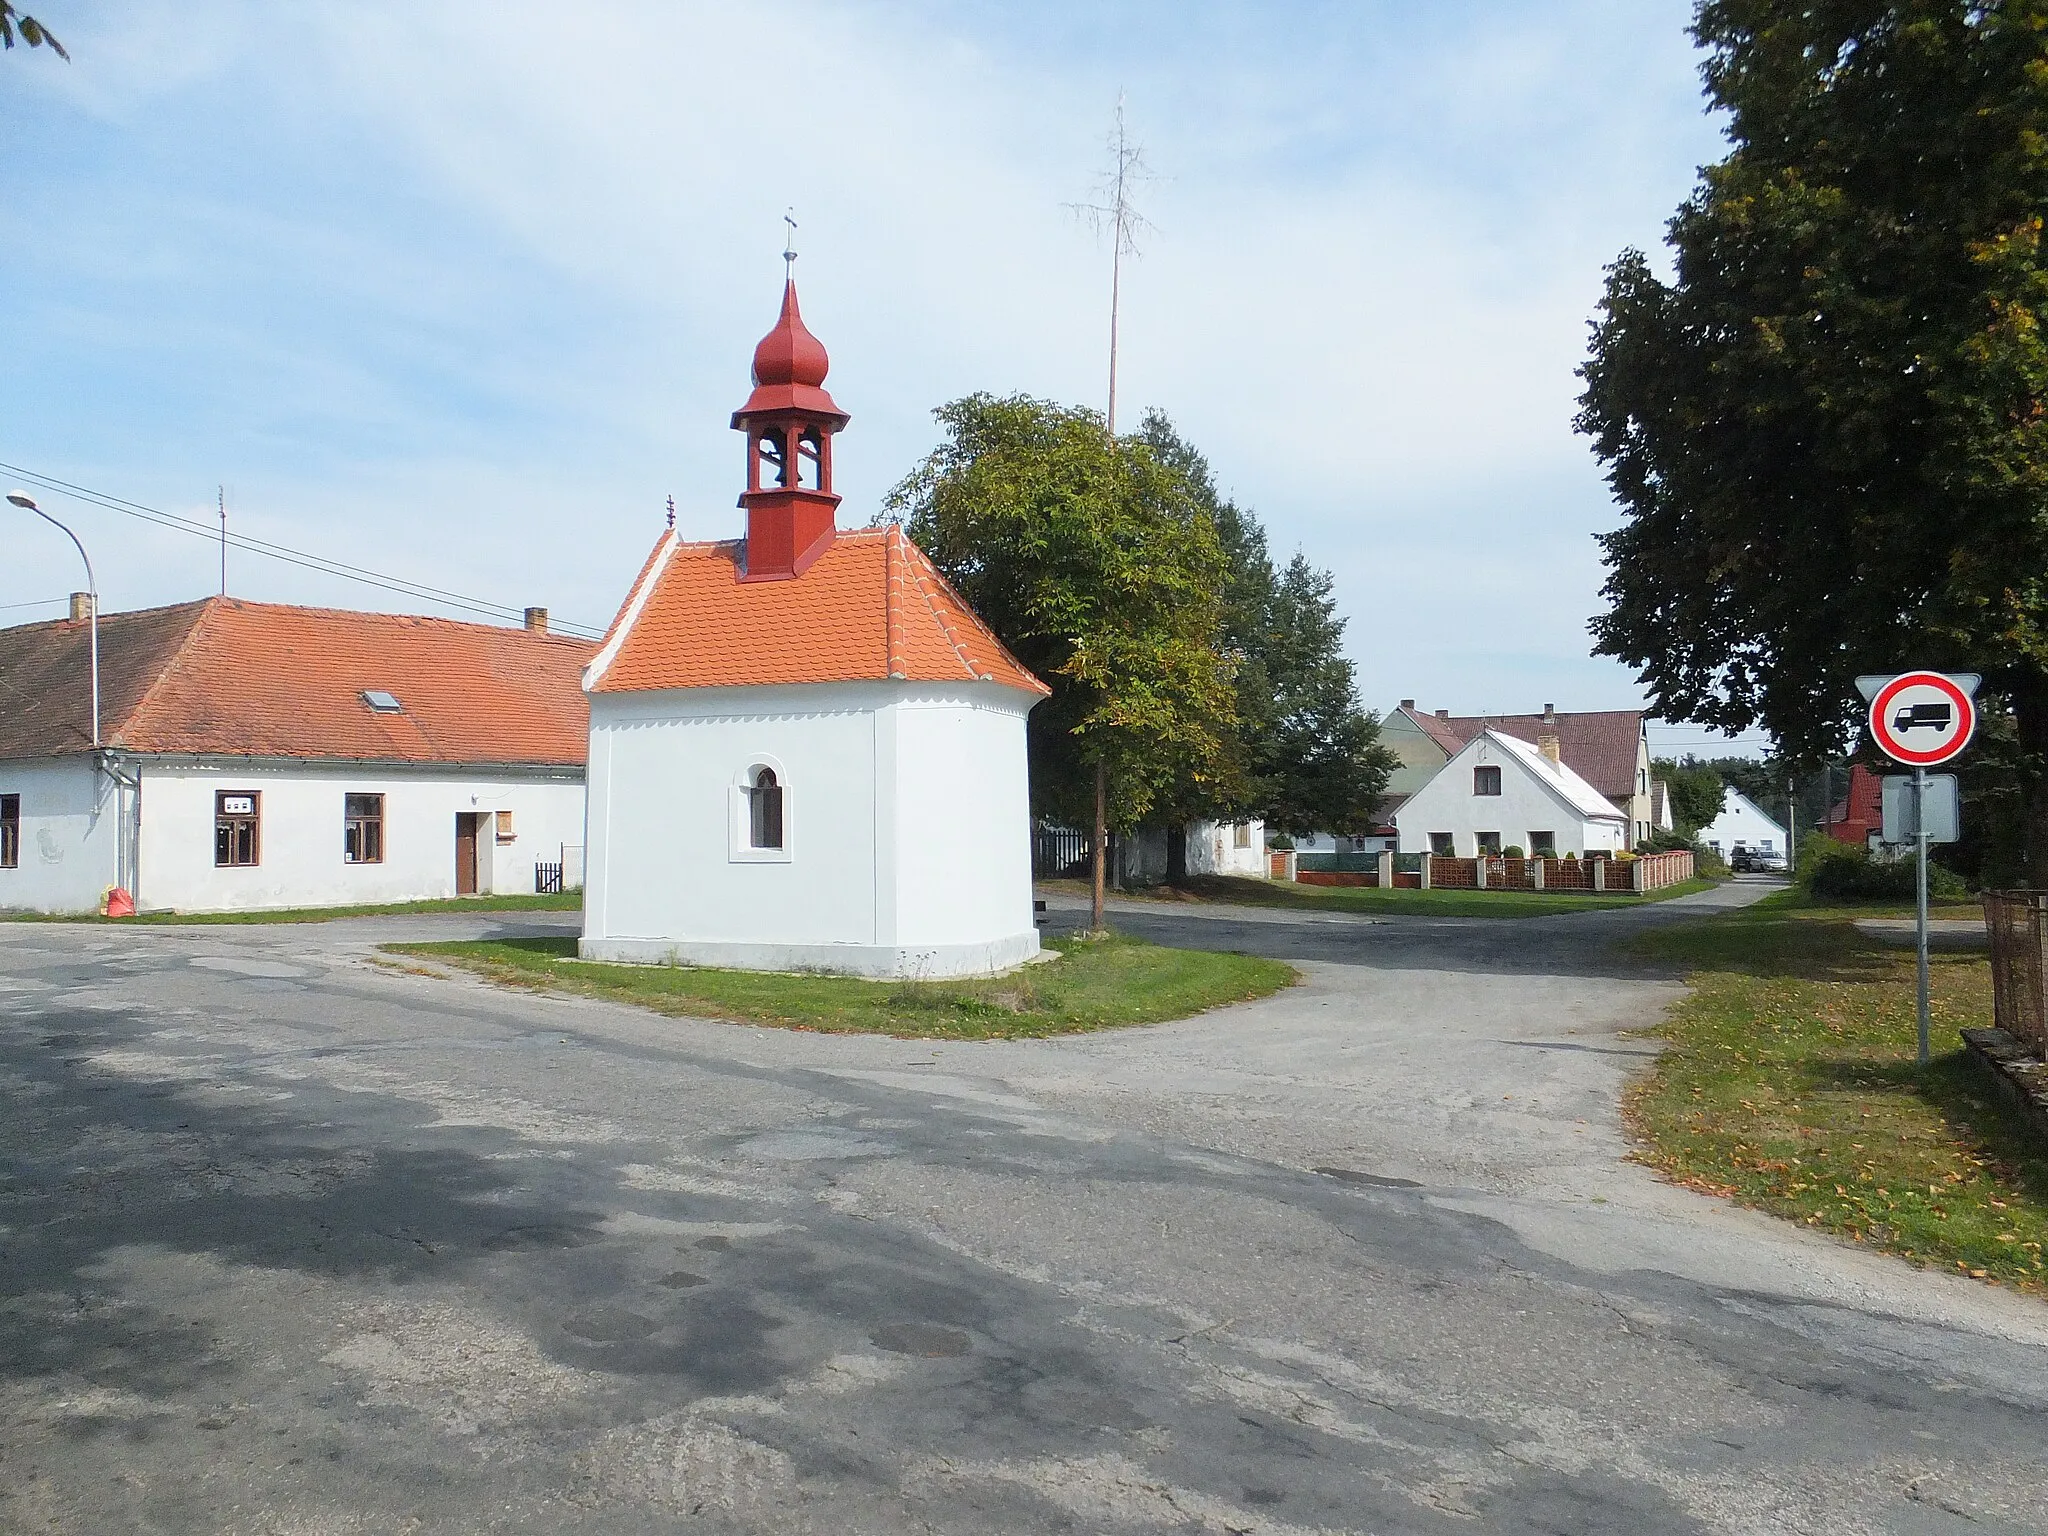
[1101,849]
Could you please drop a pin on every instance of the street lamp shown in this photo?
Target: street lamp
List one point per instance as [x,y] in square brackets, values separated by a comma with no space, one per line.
[27,502]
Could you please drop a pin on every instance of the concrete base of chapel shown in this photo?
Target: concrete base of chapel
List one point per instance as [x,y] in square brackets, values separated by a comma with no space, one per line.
[885,961]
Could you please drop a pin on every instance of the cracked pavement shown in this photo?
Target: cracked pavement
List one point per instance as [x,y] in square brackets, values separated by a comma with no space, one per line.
[295,1241]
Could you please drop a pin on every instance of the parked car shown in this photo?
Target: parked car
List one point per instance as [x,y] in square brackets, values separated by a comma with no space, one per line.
[1757,861]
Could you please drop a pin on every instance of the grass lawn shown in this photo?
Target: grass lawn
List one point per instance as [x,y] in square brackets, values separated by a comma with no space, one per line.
[1790,1085]
[568,901]
[1371,900]
[1095,984]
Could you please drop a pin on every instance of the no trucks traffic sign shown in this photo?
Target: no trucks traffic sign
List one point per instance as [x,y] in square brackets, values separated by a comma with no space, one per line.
[1923,718]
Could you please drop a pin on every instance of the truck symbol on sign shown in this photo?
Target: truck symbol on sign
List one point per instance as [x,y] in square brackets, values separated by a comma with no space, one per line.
[1913,716]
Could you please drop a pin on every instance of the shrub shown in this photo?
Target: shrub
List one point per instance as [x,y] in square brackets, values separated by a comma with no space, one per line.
[1512,851]
[1844,872]
[1279,840]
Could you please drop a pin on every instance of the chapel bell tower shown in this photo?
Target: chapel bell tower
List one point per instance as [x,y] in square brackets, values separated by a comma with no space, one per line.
[789,421]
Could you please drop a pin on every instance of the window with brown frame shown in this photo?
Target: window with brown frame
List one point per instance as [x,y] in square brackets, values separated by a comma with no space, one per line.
[1486,779]
[10,831]
[1241,835]
[237,843]
[362,829]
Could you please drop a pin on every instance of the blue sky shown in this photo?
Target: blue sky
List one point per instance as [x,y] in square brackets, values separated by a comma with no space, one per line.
[463,291]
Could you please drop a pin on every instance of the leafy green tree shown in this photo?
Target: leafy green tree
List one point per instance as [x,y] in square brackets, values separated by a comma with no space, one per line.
[1305,756]
[31,31]
[1828,430]
[1696,793]
[1090,559]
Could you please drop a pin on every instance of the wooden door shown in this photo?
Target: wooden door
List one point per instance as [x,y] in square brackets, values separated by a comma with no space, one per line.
[465,853]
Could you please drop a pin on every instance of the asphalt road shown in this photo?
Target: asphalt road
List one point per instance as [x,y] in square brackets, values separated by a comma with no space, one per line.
[292,1242]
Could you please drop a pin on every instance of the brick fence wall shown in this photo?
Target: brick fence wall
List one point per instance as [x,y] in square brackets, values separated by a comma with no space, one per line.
[1654,870]
[1662,869]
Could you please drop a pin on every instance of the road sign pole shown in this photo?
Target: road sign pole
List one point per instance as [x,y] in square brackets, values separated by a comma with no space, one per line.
[1920,895]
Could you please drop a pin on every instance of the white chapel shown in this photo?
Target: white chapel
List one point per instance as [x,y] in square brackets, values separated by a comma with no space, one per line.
[806,751]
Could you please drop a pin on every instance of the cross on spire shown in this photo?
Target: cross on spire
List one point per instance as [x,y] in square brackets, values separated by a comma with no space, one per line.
[789,244]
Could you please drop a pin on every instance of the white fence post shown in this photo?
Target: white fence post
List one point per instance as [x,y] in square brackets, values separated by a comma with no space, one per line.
[1427,860]
[1535,867]
[1386,870]
[1599,874]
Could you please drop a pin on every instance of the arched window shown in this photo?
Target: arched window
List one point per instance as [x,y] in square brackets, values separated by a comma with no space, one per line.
[774,461]
[810,460]
[765,810]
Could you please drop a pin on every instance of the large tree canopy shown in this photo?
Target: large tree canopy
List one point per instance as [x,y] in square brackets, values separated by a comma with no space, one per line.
[1089,558]
[1827,430]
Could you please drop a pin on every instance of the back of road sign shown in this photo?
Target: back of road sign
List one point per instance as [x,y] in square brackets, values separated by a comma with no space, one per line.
[1943,811]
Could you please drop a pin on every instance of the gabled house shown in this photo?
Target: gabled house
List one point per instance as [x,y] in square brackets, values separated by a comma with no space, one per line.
[259,755]
[1607,748]
[1498,792]
[1743,824]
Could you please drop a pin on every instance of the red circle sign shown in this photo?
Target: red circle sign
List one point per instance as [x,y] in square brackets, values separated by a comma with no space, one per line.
[1922,718]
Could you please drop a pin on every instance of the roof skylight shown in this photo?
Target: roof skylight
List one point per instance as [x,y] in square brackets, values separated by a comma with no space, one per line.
[383,703]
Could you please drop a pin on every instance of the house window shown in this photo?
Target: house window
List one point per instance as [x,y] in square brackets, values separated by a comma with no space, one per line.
[10,831]
[1642,781]
[362,834]
[236,814]
[505,832]
[764,810]
[1542,845]
[1489,843]
[1241,835]
[1442,844]
[1486,779]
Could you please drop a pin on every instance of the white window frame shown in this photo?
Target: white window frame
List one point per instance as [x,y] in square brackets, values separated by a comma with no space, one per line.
[740,848]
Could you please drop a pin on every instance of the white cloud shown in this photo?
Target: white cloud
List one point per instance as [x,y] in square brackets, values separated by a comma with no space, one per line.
[484,279]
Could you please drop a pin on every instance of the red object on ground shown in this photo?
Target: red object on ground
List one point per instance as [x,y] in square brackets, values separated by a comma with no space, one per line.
[120,903]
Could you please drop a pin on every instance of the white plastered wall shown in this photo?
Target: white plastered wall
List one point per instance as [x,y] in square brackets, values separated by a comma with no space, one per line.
[906,825]
[1446,804]
[962,821]
[69,834]
[302,810]
[1741,823]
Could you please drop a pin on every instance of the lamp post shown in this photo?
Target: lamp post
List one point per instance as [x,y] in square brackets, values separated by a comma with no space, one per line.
[27,502]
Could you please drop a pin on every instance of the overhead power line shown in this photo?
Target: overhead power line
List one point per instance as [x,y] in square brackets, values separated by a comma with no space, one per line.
[305,559]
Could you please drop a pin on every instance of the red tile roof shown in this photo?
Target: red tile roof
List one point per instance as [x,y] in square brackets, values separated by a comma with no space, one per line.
[872,606]
[1599,745]
[224,677]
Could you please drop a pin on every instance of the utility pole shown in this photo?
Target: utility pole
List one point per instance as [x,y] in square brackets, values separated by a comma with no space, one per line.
[223,541]
[1114,214]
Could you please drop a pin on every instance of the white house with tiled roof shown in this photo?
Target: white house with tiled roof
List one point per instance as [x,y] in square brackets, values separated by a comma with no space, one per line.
[1499,792]
[806,752]
[255,755]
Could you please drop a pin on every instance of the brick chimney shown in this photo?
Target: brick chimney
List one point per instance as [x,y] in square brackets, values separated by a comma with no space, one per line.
[1443,714]
[537,620]
[1546,743]
[81,606]
[1407,703]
